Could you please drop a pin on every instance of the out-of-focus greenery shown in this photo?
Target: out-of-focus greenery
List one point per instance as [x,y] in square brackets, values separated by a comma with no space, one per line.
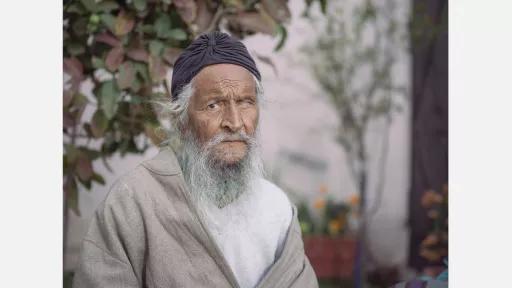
[125,49]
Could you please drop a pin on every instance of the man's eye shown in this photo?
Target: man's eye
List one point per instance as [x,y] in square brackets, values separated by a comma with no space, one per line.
[212,106]
[246,103]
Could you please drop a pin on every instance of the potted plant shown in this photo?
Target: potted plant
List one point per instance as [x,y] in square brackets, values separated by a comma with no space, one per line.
[329,240]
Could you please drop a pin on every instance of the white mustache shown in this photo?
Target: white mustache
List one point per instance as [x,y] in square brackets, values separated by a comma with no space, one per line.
[223,136]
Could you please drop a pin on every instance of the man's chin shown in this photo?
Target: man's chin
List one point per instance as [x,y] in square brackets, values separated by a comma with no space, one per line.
[229,158]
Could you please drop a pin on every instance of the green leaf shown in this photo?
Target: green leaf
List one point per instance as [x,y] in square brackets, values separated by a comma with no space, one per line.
[108,20]
[77,8]
[283,34]
[106,6]
[71,154]
[135,87]
[75,48]
[143,71]
[178,34]
[162,25]
[97,62]
[99,123]
[135,99]
[156,47]
[98,178]
[90,5]
[109,94]
[92,154]
[126,75]
[140,5]
[323,6]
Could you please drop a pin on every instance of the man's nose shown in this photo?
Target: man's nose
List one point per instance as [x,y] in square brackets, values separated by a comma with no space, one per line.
[232,120]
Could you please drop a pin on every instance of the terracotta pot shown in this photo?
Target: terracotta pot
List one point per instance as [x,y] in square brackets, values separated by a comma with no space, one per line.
[331,257]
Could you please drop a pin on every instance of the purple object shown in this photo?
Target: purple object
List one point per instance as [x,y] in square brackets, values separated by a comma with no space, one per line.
[208,49]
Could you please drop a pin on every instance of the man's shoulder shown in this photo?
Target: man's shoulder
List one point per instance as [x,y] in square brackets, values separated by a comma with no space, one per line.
[150,176]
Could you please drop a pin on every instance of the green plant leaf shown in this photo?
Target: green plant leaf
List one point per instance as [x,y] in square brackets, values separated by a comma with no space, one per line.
[283,36]
[156,47]
[106,6]
[109,94]
[79,26]
[90,5]
[140,5]
[98,178]
[177,34]
[162,25]
[142,70]
[323,6]
[109,21]
[76,8]
[126,75]
[99,123]
[75,48]
[97,63]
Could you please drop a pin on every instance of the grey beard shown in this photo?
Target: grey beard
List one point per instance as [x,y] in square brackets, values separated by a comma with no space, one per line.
[210,179]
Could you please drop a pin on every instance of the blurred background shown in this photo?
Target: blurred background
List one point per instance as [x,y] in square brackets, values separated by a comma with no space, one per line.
[354,126]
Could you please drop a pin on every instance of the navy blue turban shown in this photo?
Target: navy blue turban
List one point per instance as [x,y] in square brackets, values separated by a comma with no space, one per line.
[208,49]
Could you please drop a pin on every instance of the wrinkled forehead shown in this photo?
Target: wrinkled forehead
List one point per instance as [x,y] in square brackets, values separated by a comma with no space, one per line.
[224,79]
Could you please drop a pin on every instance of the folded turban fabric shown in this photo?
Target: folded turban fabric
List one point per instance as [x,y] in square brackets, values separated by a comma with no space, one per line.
[208,49]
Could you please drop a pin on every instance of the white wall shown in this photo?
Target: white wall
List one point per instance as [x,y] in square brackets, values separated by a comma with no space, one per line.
[297,118]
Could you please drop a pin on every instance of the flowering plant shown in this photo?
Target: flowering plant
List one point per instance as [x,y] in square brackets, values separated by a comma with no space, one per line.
[333,217]
[435,245]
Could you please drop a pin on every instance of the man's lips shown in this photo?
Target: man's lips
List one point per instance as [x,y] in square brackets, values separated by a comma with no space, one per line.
[233,141]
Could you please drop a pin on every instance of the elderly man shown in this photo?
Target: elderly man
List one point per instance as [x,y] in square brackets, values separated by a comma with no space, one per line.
[200,214]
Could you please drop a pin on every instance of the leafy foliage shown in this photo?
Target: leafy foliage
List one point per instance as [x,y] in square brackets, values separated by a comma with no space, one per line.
[125,49]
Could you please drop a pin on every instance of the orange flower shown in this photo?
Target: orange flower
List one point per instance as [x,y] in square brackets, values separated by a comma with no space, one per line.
[430,240]
[445,189]
[433,214]
[430,255]
[429,198]
[334,227]
[319,203]
[353,200]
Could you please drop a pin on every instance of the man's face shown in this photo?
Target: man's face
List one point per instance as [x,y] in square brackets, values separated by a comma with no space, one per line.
[225,101]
